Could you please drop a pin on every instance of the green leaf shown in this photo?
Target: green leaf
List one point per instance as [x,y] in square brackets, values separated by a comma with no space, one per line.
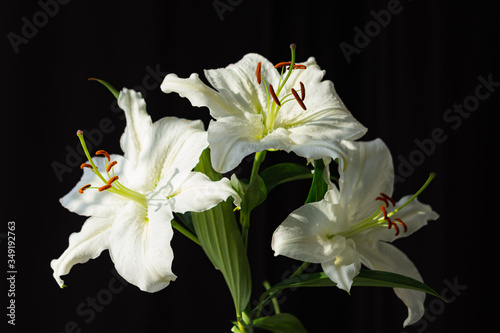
[186,220]
[318,186]
[365,278]
[219,235]
[280,323]
[283,173]
[252,194]
[112,89]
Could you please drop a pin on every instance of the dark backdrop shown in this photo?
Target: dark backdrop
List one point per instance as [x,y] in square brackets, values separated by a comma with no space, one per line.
[416,78]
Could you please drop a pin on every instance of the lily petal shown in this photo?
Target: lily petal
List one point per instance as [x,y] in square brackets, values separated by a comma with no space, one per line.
[138,123]
[344,267]
[233,138]
[198,193]
[140,248]
[198,93]
[386,257]
[84,245]
[307,233]
[171,148]
[368,171]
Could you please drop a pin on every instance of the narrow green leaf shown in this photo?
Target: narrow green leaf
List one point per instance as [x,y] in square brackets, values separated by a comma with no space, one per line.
[365,278]
[283,173]
[280,323]
[219,235]
[318,186]
[112,89]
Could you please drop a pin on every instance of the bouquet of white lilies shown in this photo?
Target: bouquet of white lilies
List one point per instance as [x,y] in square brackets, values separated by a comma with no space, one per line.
[170,176]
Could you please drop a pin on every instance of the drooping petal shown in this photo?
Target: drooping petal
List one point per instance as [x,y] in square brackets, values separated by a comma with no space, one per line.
[344,267]
[368,171]
[307,234]
[86,244]
[138,123]
[199,94]
[139,245]
[172,148]
[92,202]
[233,138]
[415,215]
[386,257]
[198,193]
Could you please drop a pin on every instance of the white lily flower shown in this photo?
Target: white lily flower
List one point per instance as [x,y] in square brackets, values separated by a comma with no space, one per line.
[130,199]
[256,108]
[355,225]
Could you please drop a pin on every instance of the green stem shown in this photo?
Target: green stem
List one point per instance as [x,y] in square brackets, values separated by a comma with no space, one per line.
[258,159]
[185,232]
[244,215]
[256,311]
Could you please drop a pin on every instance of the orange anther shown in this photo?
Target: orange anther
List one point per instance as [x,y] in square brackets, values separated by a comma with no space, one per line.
[299,67]
[112,179]
[405,228]
[83,188]
[103,152]
[110,165]
[298,99]
[273,95]
[282,64]
[86,165]
[302,91]
[105,187]
[389,198]
[396,227]
[258,72]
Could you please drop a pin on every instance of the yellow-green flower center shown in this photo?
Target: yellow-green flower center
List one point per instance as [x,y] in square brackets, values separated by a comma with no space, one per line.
[277,98]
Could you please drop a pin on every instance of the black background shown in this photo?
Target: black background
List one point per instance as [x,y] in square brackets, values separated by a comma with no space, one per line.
[399,85]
